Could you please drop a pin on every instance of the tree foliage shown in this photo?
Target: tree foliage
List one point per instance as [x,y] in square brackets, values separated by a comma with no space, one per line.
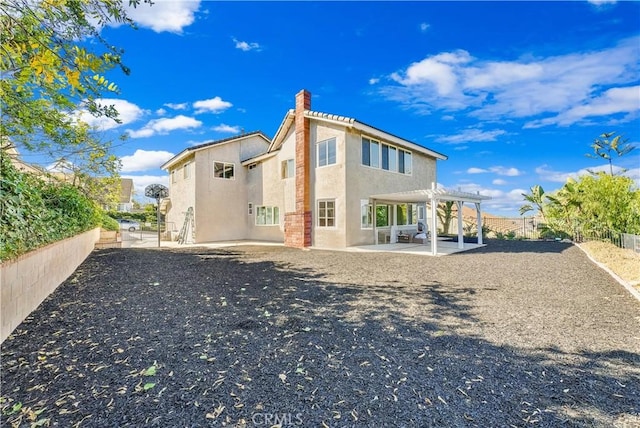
[445,215]
[605,147]
[35,211]
[604,202]
[48,76]
[594,203]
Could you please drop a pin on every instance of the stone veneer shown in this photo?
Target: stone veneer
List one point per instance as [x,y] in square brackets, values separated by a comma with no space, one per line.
[297,225]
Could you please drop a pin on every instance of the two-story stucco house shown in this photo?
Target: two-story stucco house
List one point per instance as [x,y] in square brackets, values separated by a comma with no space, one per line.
[314,184]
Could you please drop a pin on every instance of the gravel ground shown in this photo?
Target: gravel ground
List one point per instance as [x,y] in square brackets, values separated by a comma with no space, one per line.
[512,334]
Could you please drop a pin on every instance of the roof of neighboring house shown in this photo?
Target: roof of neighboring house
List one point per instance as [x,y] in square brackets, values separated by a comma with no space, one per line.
[126,190]
[14,156]
[188,151]
[349,122]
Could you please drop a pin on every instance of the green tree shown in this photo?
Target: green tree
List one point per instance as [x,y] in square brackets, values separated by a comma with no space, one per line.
[605,147]
[536,199]
[48,76]
[445,215]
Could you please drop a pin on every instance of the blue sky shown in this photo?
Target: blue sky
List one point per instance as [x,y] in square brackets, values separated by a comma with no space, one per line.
[513,92]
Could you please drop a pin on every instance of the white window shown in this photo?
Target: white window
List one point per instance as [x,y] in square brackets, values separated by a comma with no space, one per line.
[186,170]
[404,162]
[366,214]
[326,213]
[385,156]
[267,216]
[406,214]
[288,168]
[326,151]
[223,170]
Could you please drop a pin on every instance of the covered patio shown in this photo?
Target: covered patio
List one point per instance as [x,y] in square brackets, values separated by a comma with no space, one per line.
[427,197]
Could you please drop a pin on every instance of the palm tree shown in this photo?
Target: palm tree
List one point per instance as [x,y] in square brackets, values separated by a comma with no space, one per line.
[536,200]
[604,148]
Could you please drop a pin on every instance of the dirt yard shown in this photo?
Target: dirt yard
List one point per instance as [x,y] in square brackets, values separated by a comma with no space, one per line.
[513,334]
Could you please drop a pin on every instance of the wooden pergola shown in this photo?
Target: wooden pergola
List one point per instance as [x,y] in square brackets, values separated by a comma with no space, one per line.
[433,197]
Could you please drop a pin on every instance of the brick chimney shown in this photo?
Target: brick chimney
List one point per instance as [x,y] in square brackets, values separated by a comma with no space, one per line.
[297,225]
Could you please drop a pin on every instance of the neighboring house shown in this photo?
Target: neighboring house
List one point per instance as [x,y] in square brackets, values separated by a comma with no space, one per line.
[125,204]
[314,184]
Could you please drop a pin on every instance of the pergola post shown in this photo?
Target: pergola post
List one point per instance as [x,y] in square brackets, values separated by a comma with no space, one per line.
[479,218]
[460,225]
[374,219]
[433,226]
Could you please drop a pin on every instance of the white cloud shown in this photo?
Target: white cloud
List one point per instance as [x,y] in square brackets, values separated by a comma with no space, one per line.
[127,113]
[613,101]
[471,135]
[573,86]
[499,182]
[474,170]
[164,15]
[547,174]
[165,125]
[509,172]
[424,27]
[212,105]
[499,170]
[602,2]
[502,202]
[177,106]
[140,182]
[245,46]
[227,129]
[373,80]
[143,160]
[161,112]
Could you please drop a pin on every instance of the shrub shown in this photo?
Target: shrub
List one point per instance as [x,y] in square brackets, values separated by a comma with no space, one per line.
[35,213]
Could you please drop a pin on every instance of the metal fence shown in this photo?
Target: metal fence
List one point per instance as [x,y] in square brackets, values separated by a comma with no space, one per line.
[532,228]
[500,227]
[623,240]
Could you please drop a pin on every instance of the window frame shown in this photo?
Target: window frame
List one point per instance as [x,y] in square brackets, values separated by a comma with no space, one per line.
[225,165]
[288,168]
[326,152]
[326,218]
[366,214]
[186,171]
[266,212]
[385,156]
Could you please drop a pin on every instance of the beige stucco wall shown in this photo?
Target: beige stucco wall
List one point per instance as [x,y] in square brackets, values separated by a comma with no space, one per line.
[28,280]
[266,188]
[363,181]
[328,182]
[221,210]
[182,194]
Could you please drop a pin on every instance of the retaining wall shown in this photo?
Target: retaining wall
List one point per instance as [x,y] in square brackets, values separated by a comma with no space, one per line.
[26,281]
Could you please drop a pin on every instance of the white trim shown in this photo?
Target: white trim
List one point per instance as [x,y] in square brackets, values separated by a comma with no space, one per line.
[224,165]
[333,201]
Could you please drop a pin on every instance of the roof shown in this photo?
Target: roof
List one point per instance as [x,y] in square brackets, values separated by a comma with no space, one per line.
[348,122]
[186,152]
[428,195]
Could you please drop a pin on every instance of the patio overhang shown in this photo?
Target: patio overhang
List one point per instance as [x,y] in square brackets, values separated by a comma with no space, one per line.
[433,197]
